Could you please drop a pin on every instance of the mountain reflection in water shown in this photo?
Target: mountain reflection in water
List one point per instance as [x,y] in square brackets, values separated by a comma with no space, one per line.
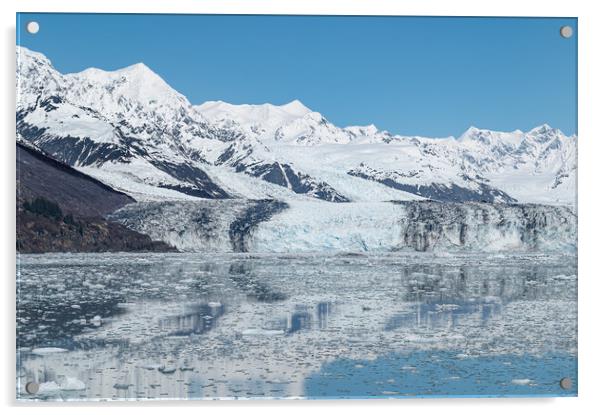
[146,326]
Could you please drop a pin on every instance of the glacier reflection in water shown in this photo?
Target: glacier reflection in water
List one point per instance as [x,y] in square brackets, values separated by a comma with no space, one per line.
[146,326]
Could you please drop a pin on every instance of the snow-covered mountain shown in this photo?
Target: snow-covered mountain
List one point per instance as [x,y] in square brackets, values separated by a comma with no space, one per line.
[131,130]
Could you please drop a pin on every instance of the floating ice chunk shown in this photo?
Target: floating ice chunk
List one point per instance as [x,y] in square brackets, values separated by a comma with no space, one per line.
[214,304]
[49,388]
[73,384]
[167,370]
[522,381]
[48,350]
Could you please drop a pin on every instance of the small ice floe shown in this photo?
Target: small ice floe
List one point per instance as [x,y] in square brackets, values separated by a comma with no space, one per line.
[522,381]
[390,393]
[96,320]
[167,370]
[41,351]
[49,388]
[214,304]
[358,366]
[76,306]
[186,369]
[121,386]
[73,384]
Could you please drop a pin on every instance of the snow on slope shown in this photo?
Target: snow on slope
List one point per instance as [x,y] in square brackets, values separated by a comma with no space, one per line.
[539,166]
[133,130]
[55,117]
[292,122]
[262,119]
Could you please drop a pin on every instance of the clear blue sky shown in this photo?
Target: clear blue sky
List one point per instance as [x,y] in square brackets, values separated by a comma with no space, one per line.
[408,75]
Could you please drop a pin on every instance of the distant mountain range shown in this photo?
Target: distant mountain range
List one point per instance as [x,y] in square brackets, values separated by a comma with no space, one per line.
[132,131]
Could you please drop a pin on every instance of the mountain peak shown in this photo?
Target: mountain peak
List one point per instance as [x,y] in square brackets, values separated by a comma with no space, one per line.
[471,133]
[35,73]
[138,73]
[269,116]
[492,138]
[542,129]
[27,58]
[138,68]
[23,52]
[296,107]
[369,129]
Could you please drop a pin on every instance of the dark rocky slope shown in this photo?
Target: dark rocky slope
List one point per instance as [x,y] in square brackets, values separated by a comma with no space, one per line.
[60,209]
[39,175]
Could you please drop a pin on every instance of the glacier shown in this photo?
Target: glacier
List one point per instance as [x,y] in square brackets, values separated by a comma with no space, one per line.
[269,226]
[205,226]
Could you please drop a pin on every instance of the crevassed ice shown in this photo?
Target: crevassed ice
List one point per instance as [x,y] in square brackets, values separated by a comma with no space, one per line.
[213,226]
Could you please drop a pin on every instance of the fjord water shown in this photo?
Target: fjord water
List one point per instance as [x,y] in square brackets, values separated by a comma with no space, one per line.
[225,325]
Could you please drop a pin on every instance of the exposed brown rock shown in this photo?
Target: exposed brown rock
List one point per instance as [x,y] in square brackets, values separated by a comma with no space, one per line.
[60,209]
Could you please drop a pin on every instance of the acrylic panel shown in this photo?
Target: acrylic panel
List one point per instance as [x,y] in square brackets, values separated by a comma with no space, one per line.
[320,207]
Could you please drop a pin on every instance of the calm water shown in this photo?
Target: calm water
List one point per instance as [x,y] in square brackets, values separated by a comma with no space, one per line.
[147,326]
